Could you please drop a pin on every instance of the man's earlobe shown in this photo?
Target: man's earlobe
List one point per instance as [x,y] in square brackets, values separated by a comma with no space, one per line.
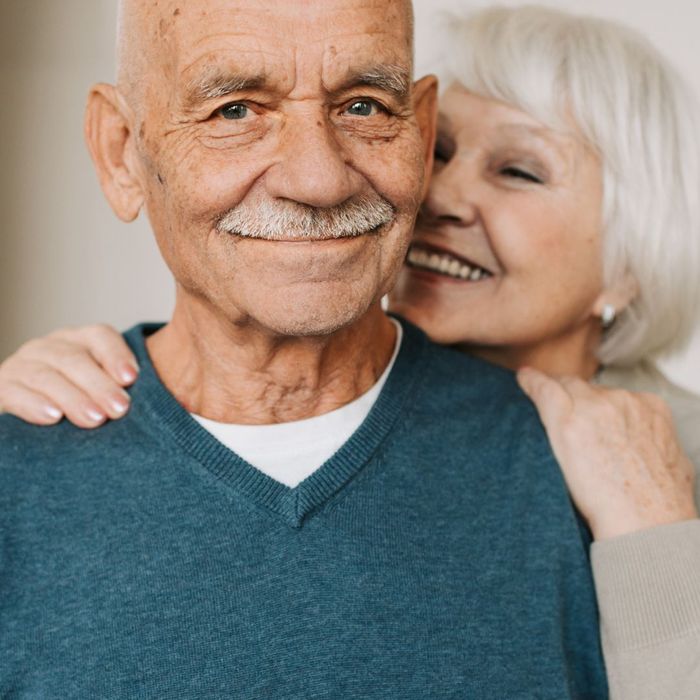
[111,144]
[425,105]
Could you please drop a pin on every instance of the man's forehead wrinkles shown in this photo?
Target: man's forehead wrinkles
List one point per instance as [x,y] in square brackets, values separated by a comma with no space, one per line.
[218,72]
[352,52]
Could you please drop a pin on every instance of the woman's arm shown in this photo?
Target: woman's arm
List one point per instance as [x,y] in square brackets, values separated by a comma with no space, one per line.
[648,589]
[76,373]
[633,484]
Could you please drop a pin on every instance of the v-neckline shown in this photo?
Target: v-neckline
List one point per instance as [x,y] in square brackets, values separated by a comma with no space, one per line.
[292,505]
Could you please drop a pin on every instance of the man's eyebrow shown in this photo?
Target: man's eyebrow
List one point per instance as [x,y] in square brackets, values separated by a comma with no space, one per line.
[393,79]
[215,85]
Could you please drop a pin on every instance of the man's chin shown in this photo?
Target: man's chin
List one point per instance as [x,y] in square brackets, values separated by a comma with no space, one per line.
[308,322]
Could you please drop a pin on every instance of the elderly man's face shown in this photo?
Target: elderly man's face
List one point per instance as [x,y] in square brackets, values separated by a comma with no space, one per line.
[282,153]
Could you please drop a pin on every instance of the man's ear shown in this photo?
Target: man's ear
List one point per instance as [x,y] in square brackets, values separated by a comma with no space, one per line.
[112,147]
[619,295]
[425,104]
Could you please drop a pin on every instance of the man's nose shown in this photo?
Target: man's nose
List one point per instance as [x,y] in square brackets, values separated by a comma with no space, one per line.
[453,197]
[312,167]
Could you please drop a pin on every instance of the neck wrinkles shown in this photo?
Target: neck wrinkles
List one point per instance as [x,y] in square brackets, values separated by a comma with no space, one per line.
[238,373]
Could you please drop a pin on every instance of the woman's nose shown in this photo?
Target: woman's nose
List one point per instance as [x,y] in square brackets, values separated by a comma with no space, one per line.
[452,197]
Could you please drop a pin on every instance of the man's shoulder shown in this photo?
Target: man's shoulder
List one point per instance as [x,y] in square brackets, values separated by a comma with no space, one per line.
[20,439]
[464,411]
[31,449]
[30,452]
[461,399]
[453,373]
[29,457]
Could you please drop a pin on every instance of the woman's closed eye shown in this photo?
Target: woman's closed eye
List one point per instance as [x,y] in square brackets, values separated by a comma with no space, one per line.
[519,173]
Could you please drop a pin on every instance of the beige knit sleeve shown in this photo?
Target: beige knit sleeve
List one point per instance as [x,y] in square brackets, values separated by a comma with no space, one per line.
[648,587]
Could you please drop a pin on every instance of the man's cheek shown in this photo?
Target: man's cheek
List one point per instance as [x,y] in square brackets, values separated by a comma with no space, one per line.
[210,187]
[398,173]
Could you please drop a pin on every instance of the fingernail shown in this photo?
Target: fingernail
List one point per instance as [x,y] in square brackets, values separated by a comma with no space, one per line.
[128,373]
[94,416]
[53,413]
[120,404]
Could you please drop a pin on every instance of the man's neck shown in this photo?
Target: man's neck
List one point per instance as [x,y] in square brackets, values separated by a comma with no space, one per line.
[241,373]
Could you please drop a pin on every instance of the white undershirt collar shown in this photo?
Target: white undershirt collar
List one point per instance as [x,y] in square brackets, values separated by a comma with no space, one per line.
[290,452]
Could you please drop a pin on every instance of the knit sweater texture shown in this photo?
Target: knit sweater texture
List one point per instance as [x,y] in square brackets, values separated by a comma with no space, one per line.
[435,555]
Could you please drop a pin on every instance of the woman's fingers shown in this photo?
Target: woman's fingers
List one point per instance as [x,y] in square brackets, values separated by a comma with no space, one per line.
[29,405]
[66,374]
[78,367]
[550,396]
[107,347]
[618,452]
[77,405]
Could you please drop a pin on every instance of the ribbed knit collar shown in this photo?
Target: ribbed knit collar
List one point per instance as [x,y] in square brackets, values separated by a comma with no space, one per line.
[292,505]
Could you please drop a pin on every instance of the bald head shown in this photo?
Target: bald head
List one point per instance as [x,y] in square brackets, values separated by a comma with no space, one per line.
[138,44]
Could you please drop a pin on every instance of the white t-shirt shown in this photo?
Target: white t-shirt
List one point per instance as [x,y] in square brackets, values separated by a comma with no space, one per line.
[290,452]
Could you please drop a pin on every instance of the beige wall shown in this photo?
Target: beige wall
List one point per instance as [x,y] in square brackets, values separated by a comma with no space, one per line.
[65,259]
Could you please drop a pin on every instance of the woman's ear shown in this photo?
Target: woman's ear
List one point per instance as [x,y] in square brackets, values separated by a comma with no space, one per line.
[425,101]
[113,149]
[619,295]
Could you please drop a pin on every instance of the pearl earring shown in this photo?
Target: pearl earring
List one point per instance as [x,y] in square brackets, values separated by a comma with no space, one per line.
[608,316]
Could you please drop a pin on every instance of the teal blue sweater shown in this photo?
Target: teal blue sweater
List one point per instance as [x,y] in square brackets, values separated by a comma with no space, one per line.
[436,555]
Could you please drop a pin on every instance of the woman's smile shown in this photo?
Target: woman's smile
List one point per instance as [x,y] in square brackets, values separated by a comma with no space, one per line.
[507,246]
[436,264]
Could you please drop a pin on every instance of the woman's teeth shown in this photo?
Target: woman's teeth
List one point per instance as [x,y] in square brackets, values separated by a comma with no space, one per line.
[445,264]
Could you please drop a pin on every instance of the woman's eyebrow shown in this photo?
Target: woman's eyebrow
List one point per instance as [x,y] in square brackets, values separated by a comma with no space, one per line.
[543,135]
[539,132]
[443,122]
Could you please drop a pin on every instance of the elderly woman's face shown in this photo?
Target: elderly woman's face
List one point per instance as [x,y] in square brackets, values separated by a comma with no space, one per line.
[507,250]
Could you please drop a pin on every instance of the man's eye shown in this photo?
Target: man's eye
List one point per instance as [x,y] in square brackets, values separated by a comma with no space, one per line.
[364,108]
[521,174]
[236,110]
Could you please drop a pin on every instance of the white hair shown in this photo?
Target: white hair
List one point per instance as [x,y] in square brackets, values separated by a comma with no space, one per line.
[642,120]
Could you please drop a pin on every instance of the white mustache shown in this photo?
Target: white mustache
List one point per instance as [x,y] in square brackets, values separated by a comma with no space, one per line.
[284,221]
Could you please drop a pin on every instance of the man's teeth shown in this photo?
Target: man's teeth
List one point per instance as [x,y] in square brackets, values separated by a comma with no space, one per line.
[445,264]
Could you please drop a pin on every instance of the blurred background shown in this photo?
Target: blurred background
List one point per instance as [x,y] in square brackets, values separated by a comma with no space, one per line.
[65,259]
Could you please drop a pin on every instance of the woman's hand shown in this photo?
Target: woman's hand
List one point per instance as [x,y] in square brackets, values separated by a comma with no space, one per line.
[78,373]
[618,451]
